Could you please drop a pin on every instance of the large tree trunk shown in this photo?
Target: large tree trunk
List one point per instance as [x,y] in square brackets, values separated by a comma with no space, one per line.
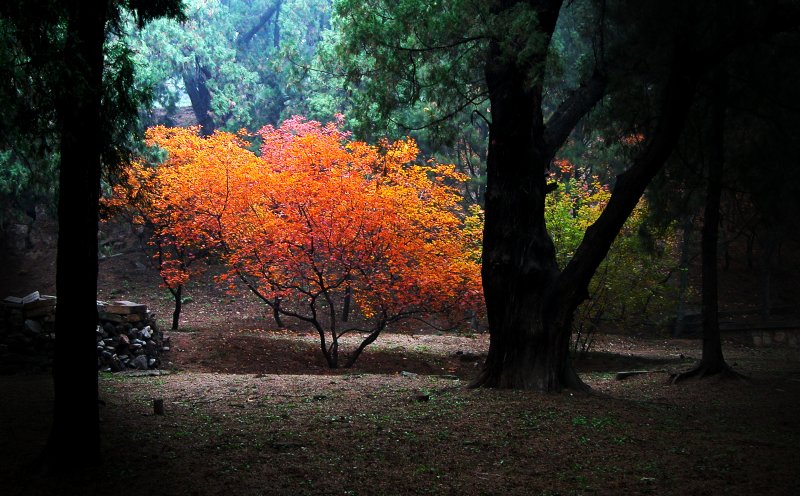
[75,414]
[530,305]
[527,350]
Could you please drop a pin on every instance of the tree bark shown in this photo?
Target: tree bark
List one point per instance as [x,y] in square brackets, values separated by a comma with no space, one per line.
[177,294]
[712,360]
[194,80]
[526,348]
[75,411]
[530,305]
[263,19]
[712,357]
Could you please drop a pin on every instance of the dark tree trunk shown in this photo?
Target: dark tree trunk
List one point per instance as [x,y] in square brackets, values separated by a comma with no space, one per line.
[276,312]
[530,305]
[75,412]
[195,79]
[263,19]
[276,33]
[767,260]
[527,348]
[712,357]
[176,314]
[683,285]
[712,360]
[348,296]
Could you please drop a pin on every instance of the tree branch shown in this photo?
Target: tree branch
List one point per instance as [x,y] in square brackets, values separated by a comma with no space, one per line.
[571,110]
[677,100]
[263,19]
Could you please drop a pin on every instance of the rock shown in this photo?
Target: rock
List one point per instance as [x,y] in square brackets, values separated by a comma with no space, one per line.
[140,362]
[466,356]
[116,364]
[33,326]
[408,374]
[124,307]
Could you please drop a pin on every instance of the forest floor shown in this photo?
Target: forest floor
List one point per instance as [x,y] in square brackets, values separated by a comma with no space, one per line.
[250,410]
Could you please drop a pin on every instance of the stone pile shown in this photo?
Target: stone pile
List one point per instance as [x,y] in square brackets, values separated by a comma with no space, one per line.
[26,332]
[127,335]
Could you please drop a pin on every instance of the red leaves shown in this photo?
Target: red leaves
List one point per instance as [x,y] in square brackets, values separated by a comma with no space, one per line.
[314,215]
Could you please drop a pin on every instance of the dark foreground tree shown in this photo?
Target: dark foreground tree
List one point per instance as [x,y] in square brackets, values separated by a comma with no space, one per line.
[73,36]
[84,144]
[75,406]
[529,302]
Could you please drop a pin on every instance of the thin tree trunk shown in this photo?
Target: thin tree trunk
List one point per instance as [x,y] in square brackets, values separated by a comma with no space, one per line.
[683,285]
[75,406]
[766,275]
[712,344]
[276,312]
[348,296]
[712,360]
[176,314]
[262,21]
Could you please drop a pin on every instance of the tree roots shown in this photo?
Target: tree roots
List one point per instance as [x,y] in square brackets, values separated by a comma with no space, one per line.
[703,370]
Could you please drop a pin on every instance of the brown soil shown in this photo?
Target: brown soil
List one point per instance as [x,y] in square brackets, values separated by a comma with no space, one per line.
[252,410]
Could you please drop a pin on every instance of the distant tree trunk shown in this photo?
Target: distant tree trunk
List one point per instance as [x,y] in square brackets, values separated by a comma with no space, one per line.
[194,80]
[683,284]
[276,312]
[177,294]
[75,438]
[712,345]
[769,246]
[712,360]
[348,296]
[276,33]
[263,19]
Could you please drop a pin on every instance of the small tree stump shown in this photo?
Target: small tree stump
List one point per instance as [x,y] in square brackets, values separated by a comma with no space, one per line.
[158,406]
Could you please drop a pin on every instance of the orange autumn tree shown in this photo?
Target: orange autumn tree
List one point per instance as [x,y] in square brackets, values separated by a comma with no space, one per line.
[341,235]
[164,200]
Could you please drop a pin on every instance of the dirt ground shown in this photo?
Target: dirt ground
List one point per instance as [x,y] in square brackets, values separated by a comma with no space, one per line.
[250,410]
[402,422]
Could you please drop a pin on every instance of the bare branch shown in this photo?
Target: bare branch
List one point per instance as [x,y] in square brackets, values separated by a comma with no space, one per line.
[571,110]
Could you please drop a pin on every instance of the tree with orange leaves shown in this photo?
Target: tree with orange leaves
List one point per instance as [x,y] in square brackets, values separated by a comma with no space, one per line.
[146,196]
[341,235]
